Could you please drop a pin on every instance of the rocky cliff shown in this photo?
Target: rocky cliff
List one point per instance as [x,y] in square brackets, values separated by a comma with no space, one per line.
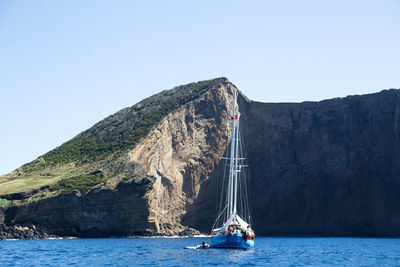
[145,190]
[326,168]
[181,153]
[329,168]
[316,168]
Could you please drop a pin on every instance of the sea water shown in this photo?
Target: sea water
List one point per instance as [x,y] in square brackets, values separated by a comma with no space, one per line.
[269,251]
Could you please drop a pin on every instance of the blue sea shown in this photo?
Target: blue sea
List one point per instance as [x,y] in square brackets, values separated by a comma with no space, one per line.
[269,251]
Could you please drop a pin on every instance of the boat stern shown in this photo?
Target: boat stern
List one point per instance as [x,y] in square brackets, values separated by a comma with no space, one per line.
[236,240]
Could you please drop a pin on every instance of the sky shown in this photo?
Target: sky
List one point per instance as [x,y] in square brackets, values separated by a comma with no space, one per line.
[65,65]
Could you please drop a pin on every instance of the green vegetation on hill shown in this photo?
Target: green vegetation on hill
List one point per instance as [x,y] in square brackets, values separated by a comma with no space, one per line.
[3,202]
[120,132]
[71,166]
[82,183]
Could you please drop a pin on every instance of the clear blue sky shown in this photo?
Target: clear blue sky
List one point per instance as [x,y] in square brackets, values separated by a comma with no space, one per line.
[65,65]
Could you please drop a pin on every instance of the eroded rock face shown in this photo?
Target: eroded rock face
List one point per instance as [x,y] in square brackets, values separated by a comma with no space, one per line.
[1,215]
[181,153]
[101,213]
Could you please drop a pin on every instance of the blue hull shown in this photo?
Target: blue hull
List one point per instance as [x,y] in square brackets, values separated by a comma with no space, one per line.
[231,241]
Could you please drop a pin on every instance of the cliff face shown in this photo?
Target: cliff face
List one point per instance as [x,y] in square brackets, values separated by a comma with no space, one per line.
[181,153]
[319,168]
[326,168]
[316,168]
[105,212]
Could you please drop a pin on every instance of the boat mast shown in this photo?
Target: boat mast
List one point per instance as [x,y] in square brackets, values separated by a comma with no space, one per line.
[233,167]
[236,161]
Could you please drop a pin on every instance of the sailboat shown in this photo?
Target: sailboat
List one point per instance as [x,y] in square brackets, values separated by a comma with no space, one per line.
[233,231]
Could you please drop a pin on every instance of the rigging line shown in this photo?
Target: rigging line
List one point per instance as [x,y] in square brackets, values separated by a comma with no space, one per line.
[212,228]
[236,162]
[229,158]
[226,185]
[223,189]
[217,190]
[219,202]
[246,177]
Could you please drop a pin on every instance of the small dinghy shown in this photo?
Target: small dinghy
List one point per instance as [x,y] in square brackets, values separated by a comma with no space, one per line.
[203,245]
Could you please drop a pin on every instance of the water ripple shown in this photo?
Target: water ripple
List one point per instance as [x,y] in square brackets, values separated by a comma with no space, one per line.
[169,252]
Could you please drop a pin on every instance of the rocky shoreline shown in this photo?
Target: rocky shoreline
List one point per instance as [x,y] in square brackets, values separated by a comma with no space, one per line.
[22,233]
[19,232]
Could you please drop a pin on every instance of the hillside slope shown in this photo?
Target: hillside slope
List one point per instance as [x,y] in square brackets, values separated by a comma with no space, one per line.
[316,168]
[144,178]
[99,153]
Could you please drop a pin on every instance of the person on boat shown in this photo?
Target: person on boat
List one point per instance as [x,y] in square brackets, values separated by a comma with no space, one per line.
[230,229]
[244,234]
[249,233]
